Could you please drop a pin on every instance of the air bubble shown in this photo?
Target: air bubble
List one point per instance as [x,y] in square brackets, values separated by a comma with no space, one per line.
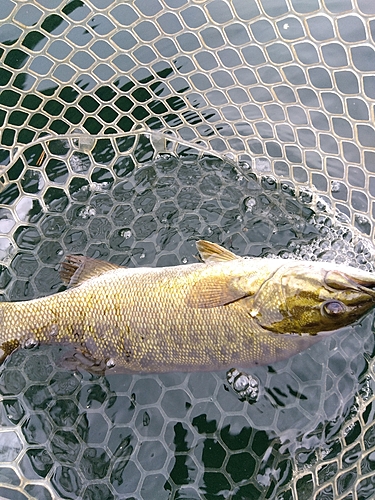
[337,245]
[87,212]
[341,259]
[361,260]
[305,196]
[126,234]
[163,155]
[328,256]
[269,182]
[342,218]
[324,244]
[250,204]
[245,165]
[359,247]
[100,187]
[241,383]
[292,245]
[286,188]
[322,205]
[245,386]
[361,220]
[349,428]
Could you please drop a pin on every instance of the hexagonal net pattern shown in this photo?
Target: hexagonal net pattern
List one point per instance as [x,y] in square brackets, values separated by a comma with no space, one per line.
[128,131]
[285,86]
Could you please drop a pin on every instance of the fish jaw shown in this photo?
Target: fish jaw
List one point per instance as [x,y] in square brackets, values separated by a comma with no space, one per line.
[313,298]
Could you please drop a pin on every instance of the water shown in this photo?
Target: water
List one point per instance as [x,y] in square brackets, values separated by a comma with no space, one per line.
[78,435]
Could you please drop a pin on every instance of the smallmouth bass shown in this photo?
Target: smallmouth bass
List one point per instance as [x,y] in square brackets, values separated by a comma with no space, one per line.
[225,311]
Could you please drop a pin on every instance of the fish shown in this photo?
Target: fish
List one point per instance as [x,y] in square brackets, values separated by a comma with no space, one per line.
[211,315]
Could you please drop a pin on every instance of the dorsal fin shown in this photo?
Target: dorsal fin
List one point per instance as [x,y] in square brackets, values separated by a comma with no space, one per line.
[76,269]
[211,252]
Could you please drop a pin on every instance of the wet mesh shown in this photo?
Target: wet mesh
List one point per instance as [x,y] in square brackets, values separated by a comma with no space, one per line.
[129,131]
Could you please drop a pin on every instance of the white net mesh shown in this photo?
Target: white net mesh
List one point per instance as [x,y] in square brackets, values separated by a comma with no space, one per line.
[128,131]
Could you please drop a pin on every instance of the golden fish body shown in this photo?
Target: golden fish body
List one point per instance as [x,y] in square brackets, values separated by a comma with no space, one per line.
[227,311]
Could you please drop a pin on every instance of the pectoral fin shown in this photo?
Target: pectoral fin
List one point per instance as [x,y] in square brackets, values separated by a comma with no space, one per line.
[215,292]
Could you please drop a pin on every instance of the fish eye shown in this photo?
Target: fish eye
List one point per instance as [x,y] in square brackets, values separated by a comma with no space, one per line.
[333,307]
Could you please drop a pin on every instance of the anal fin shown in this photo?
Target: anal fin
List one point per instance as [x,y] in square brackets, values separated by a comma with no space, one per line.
[75,358]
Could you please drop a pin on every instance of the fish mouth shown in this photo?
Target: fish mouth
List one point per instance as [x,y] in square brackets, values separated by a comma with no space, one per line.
[362,283]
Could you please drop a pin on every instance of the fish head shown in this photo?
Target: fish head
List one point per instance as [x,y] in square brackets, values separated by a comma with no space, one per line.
[311,298]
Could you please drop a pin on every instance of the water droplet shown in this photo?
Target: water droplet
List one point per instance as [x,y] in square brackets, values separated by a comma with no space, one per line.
[110,363]
[30,343]
[54,330]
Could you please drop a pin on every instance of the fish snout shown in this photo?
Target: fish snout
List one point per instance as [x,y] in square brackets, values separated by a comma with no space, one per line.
[360,282]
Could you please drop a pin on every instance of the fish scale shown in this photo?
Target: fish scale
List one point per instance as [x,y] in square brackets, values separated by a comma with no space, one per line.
[226,311]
